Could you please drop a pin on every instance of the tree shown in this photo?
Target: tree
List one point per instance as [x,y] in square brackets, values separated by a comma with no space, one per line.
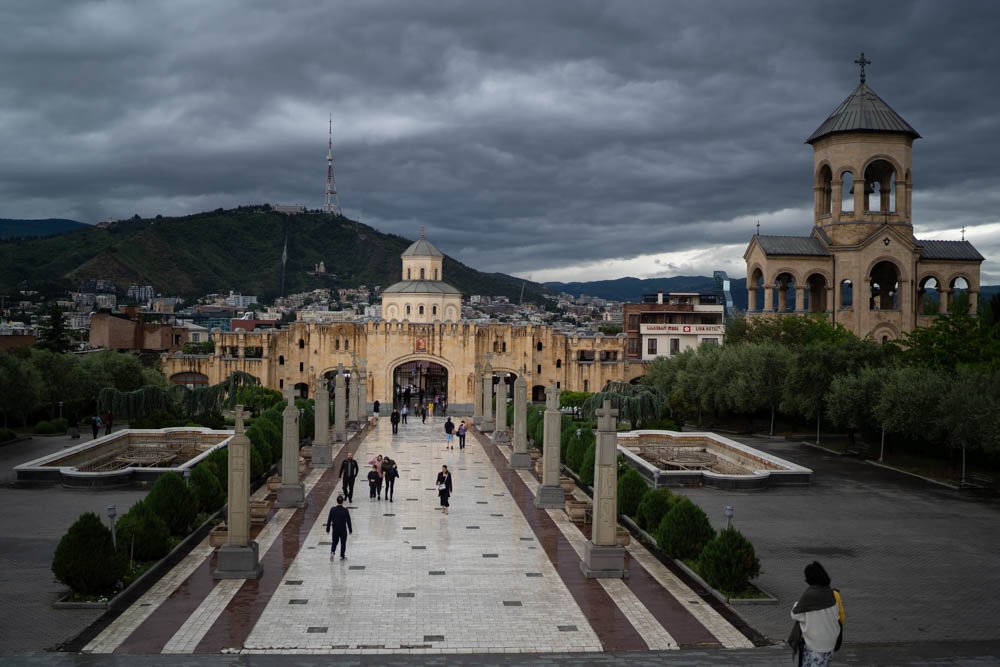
[85,558]
[852,398]
[789,330]
[52,334]
[636,403]
[573,399]
[958,339]
[60,380]
[20,387]
[910,400]
[756,378]
[971,412]
[610,329]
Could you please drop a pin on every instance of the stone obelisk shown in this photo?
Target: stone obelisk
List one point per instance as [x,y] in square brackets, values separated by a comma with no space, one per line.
[239,557]
[550,494]
[363,393]
[339,406]
[322,450]
[291,493]
[520,458]
[477,395]
[355,394]
[602,557]
[487,382]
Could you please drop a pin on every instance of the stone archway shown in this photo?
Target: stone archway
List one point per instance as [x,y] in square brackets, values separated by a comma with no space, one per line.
[419,380]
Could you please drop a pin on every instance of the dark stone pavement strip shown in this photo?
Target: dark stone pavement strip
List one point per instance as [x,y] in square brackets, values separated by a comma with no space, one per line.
[936,654]
[607,620]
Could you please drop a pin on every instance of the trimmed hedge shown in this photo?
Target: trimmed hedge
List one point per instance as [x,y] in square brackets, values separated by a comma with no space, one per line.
[142,534]
[586,471]
[685,530]
[7,434]
[208,492]
[45,428]
[631,490]
[729,562]
[172,500]
[85,559]
[653,507]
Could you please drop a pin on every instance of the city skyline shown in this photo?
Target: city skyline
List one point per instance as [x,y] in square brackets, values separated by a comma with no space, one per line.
[556,142]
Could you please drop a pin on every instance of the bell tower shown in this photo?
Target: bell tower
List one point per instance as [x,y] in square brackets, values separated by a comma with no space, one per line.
[862,157]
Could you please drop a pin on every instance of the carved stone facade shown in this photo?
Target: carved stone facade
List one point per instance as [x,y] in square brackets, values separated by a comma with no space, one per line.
[861,265]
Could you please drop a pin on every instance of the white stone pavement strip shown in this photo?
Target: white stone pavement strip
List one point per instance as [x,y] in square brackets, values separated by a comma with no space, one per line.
[418,581]
[194,629]
[119,630]
[724,631]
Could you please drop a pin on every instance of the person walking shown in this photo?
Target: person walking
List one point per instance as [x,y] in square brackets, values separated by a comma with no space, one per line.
[405,411]
[95,423]
[449,432]
[373,482]
[423,413]
[73,425]
[338,525]
[375,407]
[391,475]
[108,421]
[348,473]
[819,620]
[394,420]
[377,462]
[444,488]
[462,430]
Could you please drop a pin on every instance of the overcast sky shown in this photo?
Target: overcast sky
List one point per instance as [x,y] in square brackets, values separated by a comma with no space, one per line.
[553,140]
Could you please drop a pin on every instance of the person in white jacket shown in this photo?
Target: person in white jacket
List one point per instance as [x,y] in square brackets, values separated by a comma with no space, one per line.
[818,617]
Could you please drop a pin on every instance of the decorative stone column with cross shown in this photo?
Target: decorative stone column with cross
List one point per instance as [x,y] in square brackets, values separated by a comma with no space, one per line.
[501,434]
[322,450]
[291,493]
[550,494]
[352,401]
[487,382]
[602,557]
[363,390]
[239,557]
[477,395]
[520,458]
[339,406]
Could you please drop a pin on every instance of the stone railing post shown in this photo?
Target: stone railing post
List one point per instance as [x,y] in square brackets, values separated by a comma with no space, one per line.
[339,406]
[477,395]
[520,458]
[487,381]
[602,557]
[239,557]
[363,393]
[355,394]
[550,494]
[291,493]
[322,450]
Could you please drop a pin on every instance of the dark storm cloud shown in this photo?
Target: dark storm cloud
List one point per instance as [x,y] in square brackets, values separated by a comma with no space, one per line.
[525,136]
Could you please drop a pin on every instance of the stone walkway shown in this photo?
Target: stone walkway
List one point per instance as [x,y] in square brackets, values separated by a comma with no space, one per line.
[495,575]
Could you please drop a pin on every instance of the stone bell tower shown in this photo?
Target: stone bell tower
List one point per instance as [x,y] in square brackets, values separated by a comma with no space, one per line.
[862,156]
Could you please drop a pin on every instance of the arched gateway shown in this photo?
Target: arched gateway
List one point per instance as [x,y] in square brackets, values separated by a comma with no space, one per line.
[419,380]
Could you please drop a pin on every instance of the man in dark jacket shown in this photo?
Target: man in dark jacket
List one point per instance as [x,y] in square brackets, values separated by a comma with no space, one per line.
[349,472]
[340,521]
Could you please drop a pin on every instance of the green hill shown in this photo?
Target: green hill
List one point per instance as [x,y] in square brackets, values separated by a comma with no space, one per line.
[228,250]
[11,228]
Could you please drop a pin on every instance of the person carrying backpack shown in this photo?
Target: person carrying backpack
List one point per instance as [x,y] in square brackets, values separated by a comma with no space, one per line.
[462,430]
[449,430]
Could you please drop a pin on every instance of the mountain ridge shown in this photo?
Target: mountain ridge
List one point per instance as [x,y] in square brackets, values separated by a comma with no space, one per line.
[23,228]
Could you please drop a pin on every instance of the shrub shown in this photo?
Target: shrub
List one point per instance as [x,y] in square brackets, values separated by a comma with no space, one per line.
[587,465]
[257,438]
[256,463]
[272,438]
[141,534]
[684,530]
[212,420]
[7,434]
[631,489]
[158,419]
[653,507]
[218,463]
[44,428]
[172,500]
[207,490]
[728,562]
[85,558]
[665,424]
[61,424]
[574,453]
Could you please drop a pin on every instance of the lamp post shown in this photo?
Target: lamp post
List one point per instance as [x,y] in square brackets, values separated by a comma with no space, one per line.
[60,409]
[112,513]
[187,476]
[729,516]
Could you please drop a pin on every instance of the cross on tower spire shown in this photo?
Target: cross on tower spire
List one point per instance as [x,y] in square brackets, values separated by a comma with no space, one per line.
[758,228]
[421,232]
[862,61]
[963,232]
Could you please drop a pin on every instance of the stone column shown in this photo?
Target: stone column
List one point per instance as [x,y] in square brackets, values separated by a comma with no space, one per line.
[602,557]
[943,296]
[973,303]
[363,390]
[239,557]
[751,299]
[550,494]
[829,299]
[487,382]
[782,297]
[322,450]
[520,458]
[352,401]
[501,435]
[800,298]
[291,493]
[860,198]
[339,406]
[836,192]
[768,297]
[477,395]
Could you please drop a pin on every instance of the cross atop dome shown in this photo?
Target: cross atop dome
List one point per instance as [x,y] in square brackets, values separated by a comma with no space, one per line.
[862,62]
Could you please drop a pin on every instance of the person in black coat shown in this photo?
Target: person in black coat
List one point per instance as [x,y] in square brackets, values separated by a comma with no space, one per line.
[444,488]
[394,419]
[375,408]
[373,482]
[391,475]
[348,473]
[340,521]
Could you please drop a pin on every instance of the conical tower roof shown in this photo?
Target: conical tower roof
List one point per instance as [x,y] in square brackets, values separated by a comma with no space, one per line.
[863,111]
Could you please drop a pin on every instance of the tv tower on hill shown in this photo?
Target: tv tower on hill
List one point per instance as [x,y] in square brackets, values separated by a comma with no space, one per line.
[332,199]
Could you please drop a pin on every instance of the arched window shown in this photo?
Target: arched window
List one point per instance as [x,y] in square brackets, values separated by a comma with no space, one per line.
[281,360]
[503,346]
[847,193]
[539,346]
[347,344]
[539,369]
[846,294]
[880,187]
[302,343]
[421,310]
[495,346]
[336,344]
[824,196]
[281,384]
[407,274]
[301,368]
[435,274]
[421,274]
[407,309]
[558,363]
[434,310]
[884,285]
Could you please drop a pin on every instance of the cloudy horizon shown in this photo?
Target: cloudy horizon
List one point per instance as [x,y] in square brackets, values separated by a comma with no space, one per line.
[553,141]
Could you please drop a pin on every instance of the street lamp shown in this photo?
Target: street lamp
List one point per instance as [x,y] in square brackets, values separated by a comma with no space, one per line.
[187,476]
[112,513]
[729,516]
[60,409]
